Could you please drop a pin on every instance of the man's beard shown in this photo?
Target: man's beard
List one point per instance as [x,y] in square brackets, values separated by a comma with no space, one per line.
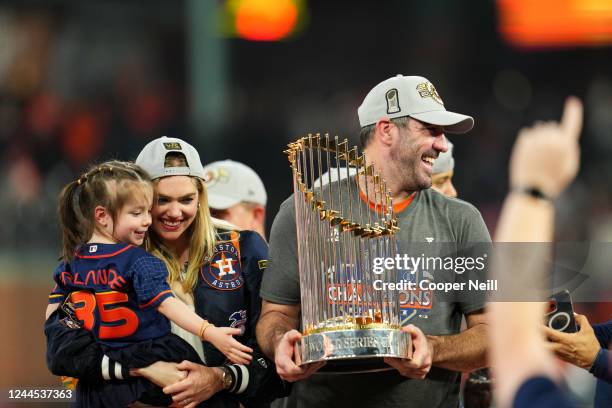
[409,172]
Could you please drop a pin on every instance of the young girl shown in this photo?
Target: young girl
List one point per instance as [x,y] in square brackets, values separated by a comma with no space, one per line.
[117,288]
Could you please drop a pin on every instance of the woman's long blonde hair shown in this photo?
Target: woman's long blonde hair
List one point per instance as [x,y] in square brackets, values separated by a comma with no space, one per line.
[202,231]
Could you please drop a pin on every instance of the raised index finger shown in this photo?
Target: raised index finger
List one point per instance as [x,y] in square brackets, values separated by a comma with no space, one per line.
[571,121]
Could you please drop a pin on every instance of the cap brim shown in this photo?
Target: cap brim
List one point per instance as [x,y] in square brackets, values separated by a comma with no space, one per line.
[452,122]
[219,202]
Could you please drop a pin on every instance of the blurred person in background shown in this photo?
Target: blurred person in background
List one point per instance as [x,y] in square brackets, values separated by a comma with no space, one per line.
[443,171]
[334,174]
[545,159]
[477,389]
[403,121]
[214,270]
[237,195]
[588,348]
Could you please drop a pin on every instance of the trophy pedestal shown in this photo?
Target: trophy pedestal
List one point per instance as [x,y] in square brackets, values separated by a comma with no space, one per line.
[354,351]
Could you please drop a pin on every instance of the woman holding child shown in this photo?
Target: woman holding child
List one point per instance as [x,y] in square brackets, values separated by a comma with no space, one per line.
[216,271]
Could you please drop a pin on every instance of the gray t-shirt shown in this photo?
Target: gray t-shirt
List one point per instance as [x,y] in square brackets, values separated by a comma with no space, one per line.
[429,215]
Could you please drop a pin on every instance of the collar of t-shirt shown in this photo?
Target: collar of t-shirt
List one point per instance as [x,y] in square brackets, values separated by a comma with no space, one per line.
[397,206]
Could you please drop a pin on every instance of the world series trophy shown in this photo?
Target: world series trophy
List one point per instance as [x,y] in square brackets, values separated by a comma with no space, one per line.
[345,322]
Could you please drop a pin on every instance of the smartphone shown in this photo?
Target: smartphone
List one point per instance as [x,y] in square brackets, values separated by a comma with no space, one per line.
[560,313]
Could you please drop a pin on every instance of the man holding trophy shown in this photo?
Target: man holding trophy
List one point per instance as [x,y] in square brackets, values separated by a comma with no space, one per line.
[319,276]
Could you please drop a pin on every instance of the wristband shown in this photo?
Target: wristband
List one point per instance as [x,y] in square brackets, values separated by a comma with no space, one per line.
[113,370]
[533,192]
[205,326]
[240,374]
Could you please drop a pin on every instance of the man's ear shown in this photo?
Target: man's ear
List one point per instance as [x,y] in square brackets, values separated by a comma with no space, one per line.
[259,214]
[383,131]
[101,215]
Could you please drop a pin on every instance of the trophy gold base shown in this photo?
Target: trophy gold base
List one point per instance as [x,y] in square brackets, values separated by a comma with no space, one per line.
[355,351]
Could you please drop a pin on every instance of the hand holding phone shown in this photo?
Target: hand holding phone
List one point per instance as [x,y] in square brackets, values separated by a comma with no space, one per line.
[560,313]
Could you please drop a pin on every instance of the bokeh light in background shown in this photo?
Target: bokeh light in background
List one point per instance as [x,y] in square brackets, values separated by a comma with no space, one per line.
[556,23]
[265,20]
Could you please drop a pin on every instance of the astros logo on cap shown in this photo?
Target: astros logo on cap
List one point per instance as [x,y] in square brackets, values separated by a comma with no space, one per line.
[427,90]
[213,176]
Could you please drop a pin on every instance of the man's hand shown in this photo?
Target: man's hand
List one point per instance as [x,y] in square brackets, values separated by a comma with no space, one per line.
[277,338]
[200,384]
[286,367]
[578,348]
[547,155]
[161,373]
[422,356]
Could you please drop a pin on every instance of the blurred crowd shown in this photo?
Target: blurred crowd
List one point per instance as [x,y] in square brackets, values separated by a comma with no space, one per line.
[74,90]
[82,82]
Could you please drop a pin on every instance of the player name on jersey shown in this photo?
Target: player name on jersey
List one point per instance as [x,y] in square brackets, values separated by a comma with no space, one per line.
[100,277]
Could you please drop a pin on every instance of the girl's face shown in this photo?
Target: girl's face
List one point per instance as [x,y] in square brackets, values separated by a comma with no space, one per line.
[133,221]
[175,207]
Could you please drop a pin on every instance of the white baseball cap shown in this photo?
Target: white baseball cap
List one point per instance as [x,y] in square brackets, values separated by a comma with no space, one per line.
[333,174]
[445,161]
[412,96]
[153,156]
[229,182]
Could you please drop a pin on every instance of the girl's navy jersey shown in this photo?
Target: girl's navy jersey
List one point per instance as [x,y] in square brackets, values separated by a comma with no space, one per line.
[115,290]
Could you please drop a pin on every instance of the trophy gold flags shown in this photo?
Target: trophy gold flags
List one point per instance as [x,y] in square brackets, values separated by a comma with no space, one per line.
[348,320]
